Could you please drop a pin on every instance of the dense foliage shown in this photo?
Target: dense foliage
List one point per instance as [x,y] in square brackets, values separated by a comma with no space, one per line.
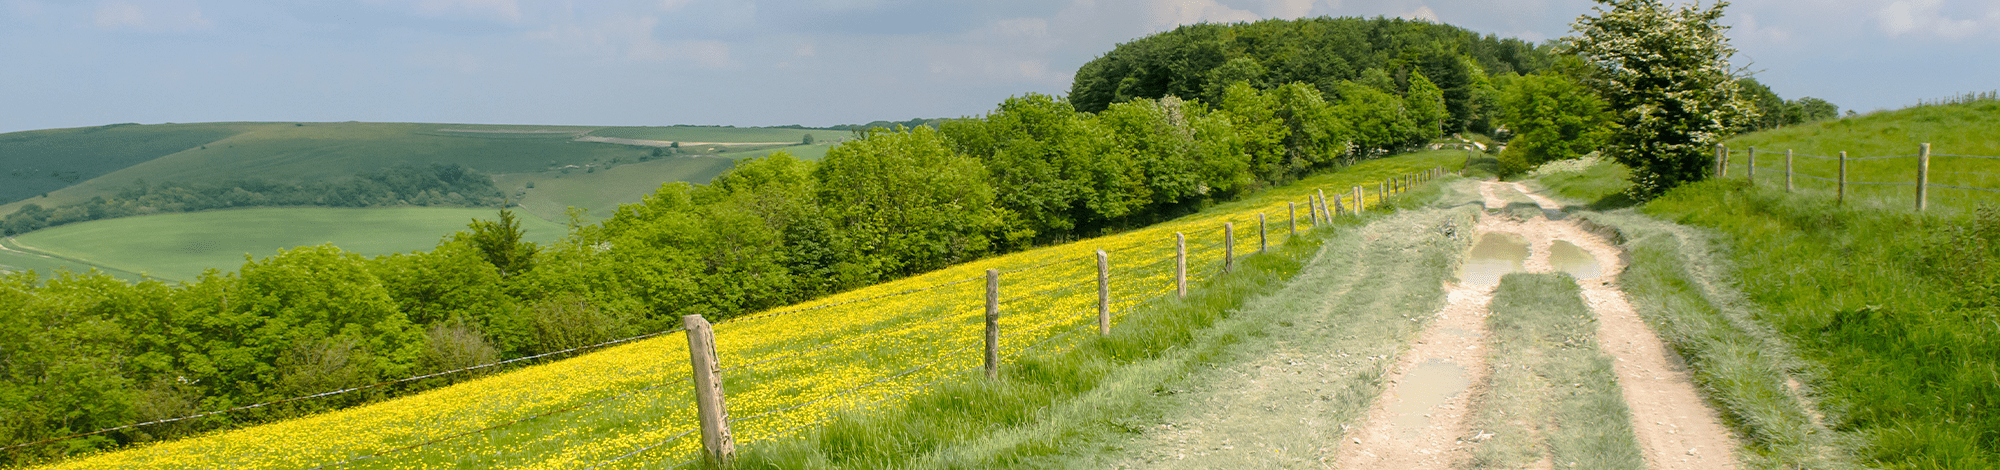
[1665,72]
[1551,116]
[1774,111]
[431,185]
[1200,61]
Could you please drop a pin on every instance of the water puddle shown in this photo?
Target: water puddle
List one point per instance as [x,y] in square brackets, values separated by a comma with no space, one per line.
[1496,254]
[1567,257]
[1424,388]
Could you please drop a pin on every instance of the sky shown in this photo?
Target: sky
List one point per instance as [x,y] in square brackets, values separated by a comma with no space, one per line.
[79,63]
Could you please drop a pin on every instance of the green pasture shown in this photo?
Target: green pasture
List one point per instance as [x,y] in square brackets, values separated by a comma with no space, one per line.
[1957,129]
[17,259]
[601,191]
[181,246]
[720,134]
[36,162]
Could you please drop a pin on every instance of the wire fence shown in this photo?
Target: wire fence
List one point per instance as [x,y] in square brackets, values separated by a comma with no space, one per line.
[861,350]
[1885,179]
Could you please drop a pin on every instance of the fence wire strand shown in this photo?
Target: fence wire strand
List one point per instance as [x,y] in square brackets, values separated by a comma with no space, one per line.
[846,302]
[1964,156]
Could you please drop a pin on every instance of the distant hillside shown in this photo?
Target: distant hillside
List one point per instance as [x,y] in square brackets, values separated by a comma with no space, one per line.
[36,162]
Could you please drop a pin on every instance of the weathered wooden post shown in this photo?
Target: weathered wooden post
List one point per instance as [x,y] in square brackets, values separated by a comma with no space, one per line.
[1228,246]
[1750,170]
[1788,170]
[1721,161]
[1339,207]
[716,443]
[1311,212]
[1840,188]
[1322,205]
[992,323]
[1360,201]
[1180,263]
[1262,243]
[1923,175]
[1292,216]
[1103,293]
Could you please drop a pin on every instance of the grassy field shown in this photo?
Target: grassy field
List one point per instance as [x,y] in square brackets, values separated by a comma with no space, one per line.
[1957,129]
[872,347]
[73,165]
[16,259]
[720,134]
[181,246]
[600,192]
[37,162]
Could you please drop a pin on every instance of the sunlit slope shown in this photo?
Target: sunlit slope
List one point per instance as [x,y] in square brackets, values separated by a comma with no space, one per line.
[180,246]
[793,367]
[36,162]
[1879,145]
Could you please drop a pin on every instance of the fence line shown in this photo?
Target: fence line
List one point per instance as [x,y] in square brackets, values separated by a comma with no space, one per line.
[1404,184]
[1923,170]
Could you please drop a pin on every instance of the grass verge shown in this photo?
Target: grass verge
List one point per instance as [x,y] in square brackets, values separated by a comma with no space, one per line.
[1061,409]
[1552,393]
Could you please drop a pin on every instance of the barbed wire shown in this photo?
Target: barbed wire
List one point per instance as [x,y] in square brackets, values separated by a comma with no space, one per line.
[1878,183]
[1964,156]
[338,392]
[949,313]
[846,302]
[1884,157]
[651,447]
[524,419]
[1966,187]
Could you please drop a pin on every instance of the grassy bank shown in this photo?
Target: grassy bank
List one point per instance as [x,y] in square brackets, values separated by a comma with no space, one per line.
[1552,393]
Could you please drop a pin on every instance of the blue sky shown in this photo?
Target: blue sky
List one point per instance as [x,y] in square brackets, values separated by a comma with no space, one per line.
[813,62]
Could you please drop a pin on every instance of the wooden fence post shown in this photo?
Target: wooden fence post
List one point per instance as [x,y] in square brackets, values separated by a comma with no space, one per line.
[1311,212]
[1360,200]
[1339,207]
[1322,206]
[1262,243]
[1750,170]
[1788,170]
[716,443]
[1721,161]
[1180,263]
[1103,293]
[1923,176]
[1292,215]
[1228,246]
[1840,188]
[992,323]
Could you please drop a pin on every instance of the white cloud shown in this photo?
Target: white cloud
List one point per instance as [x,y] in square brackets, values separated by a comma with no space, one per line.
[150,16]
[1421,13]
[507,11]
[1924,17]
[1179,12]
[1289,9]
[631,39]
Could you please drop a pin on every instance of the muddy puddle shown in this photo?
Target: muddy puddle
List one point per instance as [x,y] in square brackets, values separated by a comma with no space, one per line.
[1424,388]
[1496,254]
[1567,257]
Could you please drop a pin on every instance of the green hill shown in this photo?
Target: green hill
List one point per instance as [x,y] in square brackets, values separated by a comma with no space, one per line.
[37,162]
[1879,174]
[180,246]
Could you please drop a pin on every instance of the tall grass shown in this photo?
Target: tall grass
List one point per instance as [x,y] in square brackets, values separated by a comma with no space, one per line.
[1552,392]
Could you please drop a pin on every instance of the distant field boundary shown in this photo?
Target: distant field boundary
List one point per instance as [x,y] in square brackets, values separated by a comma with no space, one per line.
[511,131]
[9,244]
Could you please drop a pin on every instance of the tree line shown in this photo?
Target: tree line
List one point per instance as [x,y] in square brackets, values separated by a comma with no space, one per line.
[431,185]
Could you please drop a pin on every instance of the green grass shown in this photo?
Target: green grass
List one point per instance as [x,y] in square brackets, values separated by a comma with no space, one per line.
[16,261]
[36,162]
[1552,392]
[1958,129]
[601,192]
[1077,407]
[720,134]
[181,246]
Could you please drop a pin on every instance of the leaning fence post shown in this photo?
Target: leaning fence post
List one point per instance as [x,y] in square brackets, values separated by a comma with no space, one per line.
[1312,212]
[716,443]
[1180,263]
[1750,170]
[1923,175]
[1322,205]
[1788,170]
[1228,246]
[1840,188]
[1103,293]
[1262,244]
[992,323]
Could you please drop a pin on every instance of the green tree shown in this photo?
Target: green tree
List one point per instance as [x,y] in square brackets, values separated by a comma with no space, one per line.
[1665,72]
[1054,170]
[1552,118]
[500,241]
[1426,104]
[808,140]
[910,203]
